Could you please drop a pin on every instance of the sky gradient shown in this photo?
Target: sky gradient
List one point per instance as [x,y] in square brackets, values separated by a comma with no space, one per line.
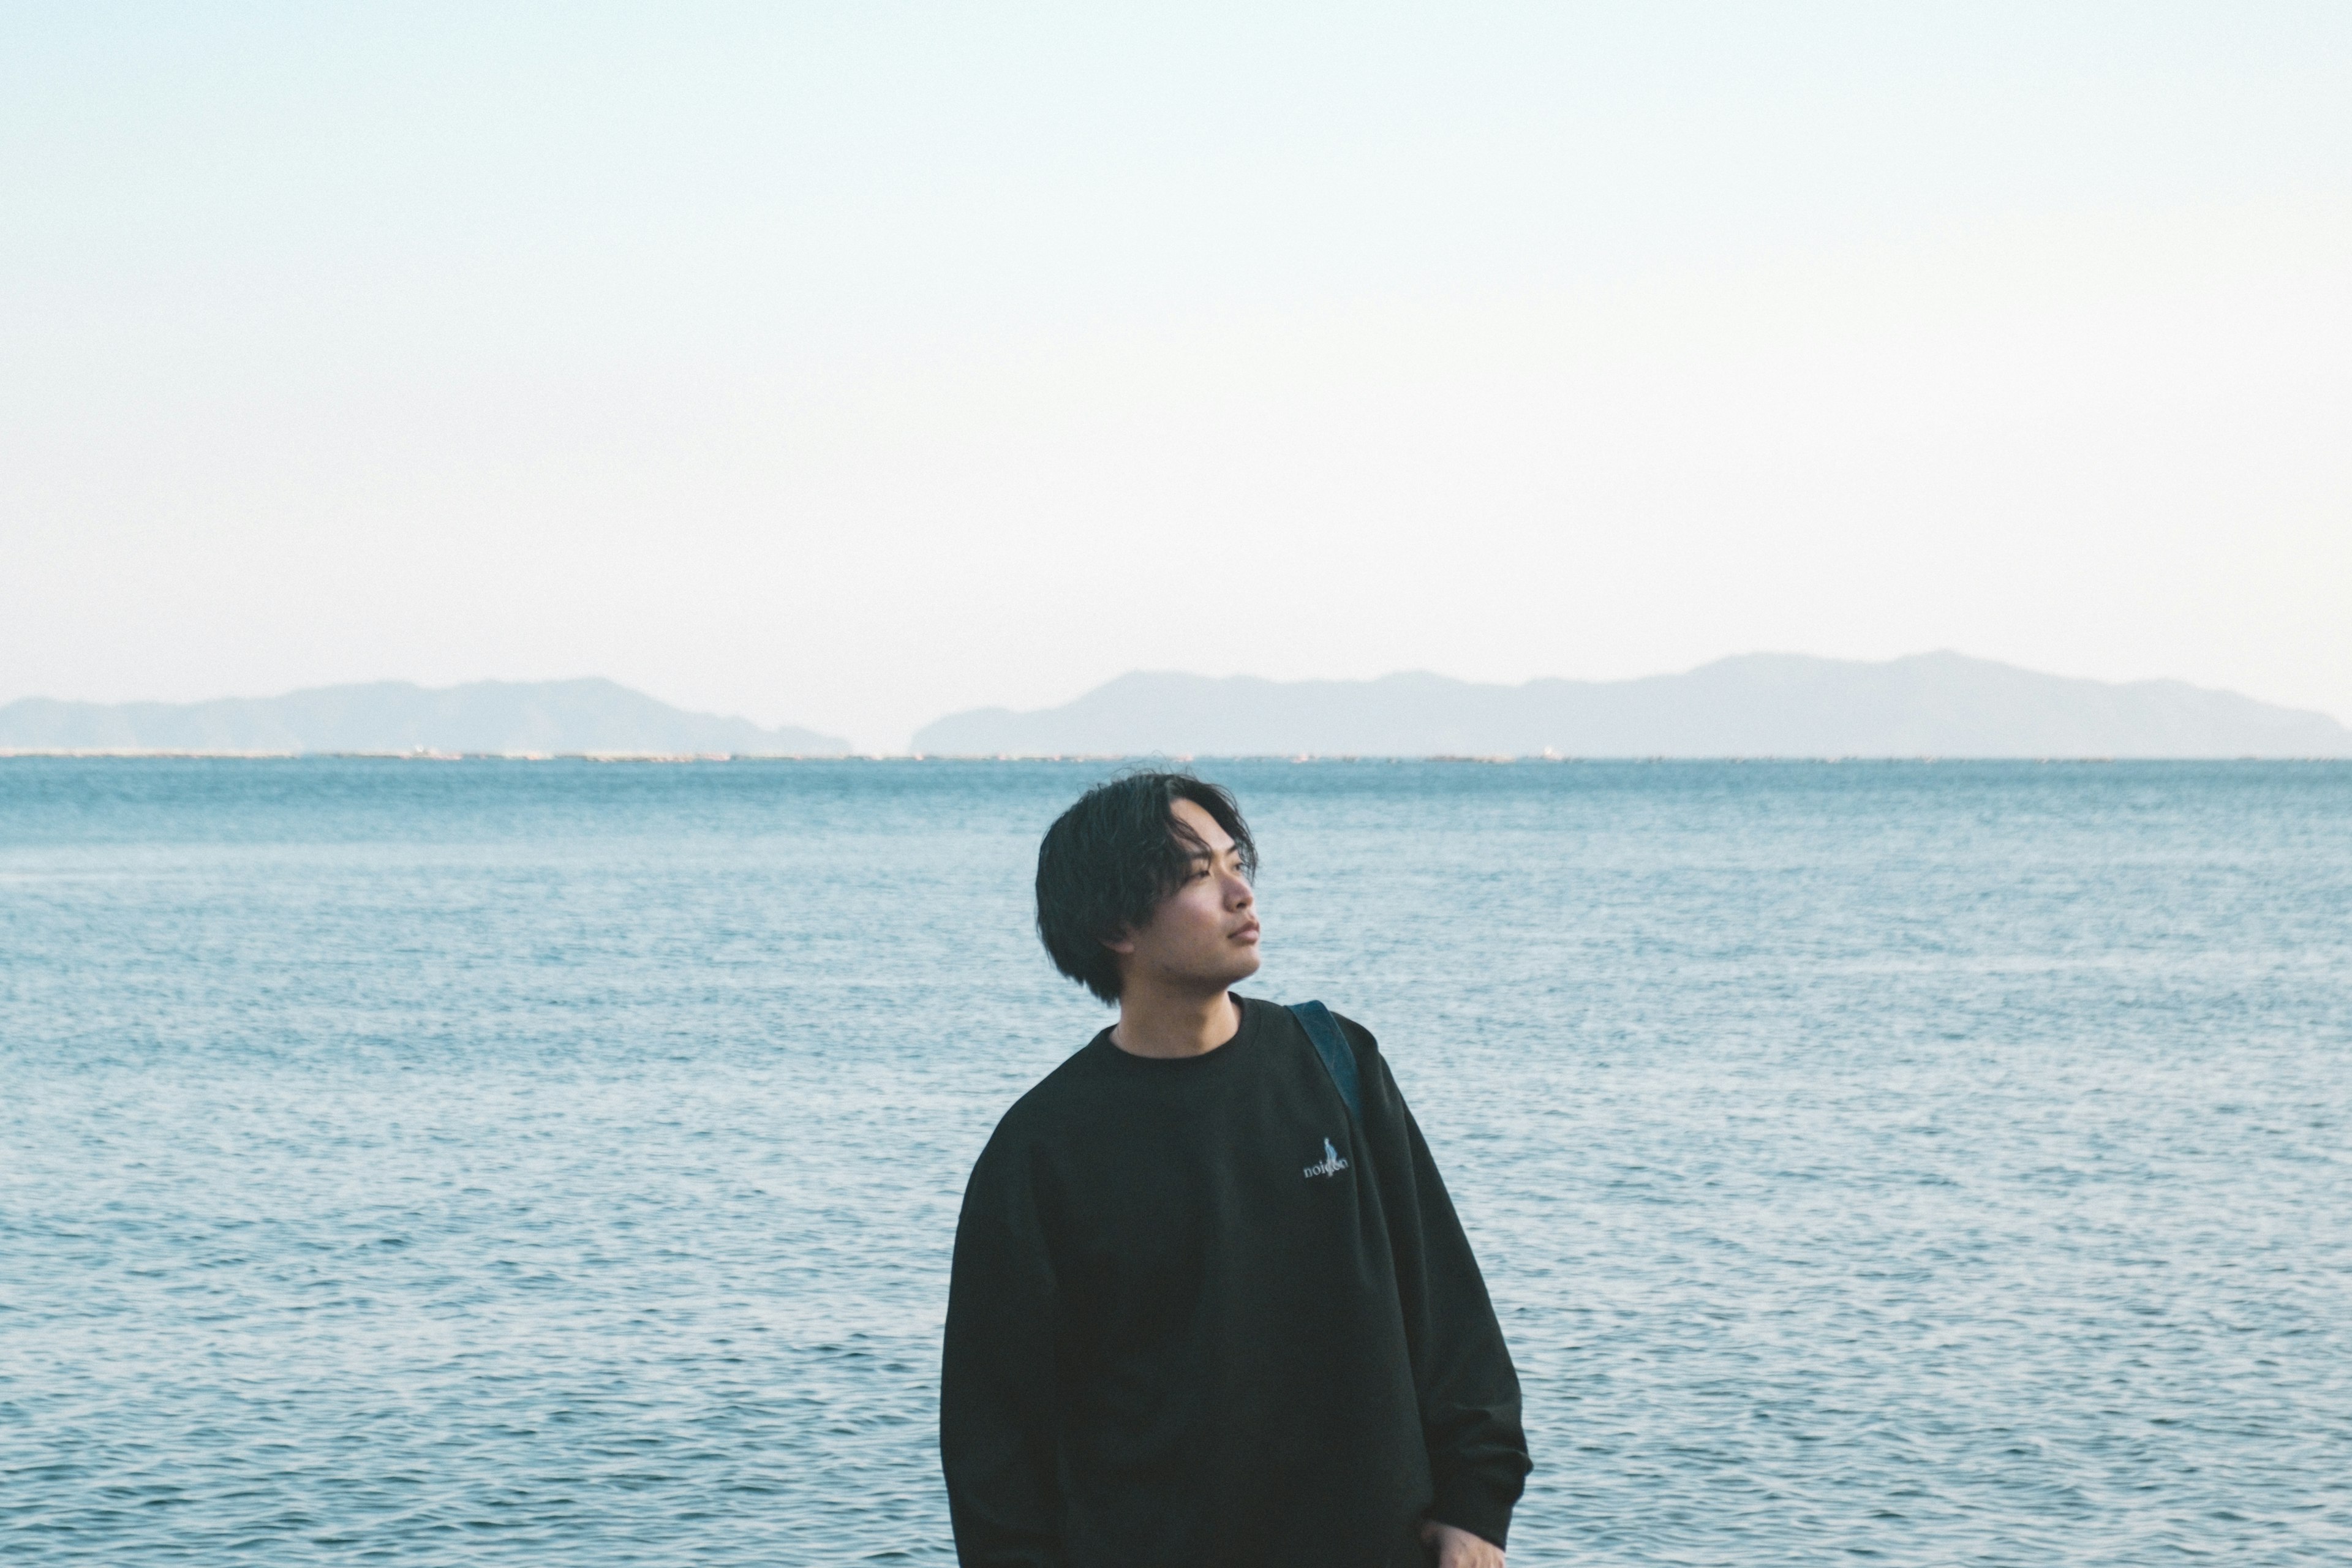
[847,365]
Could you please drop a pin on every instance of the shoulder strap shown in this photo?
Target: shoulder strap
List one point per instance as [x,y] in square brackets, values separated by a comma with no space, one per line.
[1339,1060]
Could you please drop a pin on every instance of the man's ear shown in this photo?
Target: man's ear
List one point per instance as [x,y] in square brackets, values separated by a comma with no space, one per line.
[1123,943]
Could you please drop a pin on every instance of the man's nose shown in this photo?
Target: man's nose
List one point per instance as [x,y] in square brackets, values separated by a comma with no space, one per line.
[1237,893]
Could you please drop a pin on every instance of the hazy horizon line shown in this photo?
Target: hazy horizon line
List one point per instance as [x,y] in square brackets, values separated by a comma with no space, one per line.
[1137,670]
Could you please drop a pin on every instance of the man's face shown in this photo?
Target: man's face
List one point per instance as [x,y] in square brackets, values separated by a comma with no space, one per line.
[1203,936]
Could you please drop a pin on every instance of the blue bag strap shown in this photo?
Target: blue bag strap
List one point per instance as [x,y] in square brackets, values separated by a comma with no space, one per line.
[1338,1059]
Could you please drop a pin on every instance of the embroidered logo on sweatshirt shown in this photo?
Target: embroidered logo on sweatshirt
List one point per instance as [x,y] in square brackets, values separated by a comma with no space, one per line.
[1330,1164]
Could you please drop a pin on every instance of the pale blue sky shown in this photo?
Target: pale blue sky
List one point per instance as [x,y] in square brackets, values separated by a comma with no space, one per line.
[850,364]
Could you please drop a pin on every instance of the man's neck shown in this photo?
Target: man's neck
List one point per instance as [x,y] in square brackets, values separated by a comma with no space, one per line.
[1160,1024]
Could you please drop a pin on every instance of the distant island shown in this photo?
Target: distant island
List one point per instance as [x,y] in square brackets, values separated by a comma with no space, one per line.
[496,718]
[1756,705]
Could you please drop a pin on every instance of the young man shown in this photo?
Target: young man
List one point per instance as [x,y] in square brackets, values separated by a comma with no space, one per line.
[1201,1316]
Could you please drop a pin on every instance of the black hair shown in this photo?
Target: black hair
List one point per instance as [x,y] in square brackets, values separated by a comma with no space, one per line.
[1107,862]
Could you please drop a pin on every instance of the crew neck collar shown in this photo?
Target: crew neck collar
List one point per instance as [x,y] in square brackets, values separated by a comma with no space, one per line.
[1237,1045]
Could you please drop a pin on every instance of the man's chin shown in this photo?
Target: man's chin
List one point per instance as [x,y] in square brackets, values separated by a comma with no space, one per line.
[1232,969]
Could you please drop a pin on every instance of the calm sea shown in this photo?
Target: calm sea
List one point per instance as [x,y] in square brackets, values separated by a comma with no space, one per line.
[556,1163]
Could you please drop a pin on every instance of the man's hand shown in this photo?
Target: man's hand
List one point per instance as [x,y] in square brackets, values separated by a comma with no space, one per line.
[1459,1548]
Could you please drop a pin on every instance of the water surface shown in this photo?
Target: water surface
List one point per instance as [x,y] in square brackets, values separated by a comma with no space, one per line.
[495,1163]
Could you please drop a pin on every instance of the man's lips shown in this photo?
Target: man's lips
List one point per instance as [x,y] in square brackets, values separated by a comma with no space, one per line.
[1247,932]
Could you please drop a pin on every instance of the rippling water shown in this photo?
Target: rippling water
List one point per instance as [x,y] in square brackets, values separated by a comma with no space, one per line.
[557,1163]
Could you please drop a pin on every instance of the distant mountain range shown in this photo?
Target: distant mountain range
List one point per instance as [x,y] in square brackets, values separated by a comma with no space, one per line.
[1756,705]
[549,717]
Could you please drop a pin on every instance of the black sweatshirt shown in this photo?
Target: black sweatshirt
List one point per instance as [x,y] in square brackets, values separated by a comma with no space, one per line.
[1197,1322]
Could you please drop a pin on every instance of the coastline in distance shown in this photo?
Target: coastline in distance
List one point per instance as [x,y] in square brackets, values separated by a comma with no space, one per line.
[548,718]
[1755,705]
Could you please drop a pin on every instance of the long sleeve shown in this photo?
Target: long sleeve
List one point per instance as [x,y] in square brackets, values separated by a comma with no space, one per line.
[997,1392]
[1468,1390]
